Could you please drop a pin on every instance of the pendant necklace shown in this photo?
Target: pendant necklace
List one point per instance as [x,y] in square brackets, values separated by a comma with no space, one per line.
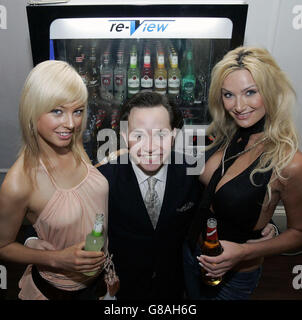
[239,153]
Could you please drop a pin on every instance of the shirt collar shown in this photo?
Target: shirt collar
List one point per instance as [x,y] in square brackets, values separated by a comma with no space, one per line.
[161,175]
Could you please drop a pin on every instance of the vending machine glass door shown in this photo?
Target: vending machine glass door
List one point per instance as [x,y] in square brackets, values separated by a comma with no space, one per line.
[118,57]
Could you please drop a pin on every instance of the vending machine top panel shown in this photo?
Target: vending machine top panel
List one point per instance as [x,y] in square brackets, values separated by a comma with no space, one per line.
[140,27]
[92,19]
[132,2]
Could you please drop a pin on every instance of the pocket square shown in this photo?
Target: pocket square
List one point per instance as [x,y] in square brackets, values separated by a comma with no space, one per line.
[185,207]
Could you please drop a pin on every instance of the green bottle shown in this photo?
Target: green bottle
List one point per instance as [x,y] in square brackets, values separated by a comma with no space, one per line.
[188,81]
[95,239]
[133,74]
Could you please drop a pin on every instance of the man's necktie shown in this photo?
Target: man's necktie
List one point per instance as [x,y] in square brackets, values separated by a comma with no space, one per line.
[152,201]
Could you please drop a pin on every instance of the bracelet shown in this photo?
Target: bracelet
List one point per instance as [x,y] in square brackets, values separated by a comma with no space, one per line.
[30,238]
[276,230]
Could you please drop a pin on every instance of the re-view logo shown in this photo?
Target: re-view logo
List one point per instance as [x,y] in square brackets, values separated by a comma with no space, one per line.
[147,25]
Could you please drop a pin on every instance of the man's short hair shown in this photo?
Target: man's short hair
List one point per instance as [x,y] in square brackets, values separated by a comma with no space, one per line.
[150,100]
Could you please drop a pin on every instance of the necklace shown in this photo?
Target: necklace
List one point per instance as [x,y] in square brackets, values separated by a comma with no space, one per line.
[239,153]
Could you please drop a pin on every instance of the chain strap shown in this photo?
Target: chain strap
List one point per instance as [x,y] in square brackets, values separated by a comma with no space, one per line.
[110,275]
[239,153]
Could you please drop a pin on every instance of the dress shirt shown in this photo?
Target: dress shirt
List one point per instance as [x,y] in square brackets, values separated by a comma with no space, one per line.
[142,178]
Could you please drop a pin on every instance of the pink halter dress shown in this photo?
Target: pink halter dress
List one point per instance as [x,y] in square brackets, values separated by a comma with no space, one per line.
[65,221]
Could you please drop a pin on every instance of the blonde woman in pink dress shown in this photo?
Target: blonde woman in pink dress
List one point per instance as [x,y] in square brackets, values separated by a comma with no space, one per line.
[54,186]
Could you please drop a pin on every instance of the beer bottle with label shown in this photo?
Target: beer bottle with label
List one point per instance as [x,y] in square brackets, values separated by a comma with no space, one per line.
[174,76]
[211,247]
[133,74]
[95,239]
[147,72]
[160,74]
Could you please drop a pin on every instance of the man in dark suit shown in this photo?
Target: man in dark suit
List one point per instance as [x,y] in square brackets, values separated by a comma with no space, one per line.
[146,238]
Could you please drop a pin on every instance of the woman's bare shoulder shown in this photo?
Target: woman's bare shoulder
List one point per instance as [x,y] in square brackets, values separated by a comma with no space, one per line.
[16,184]
[294,169]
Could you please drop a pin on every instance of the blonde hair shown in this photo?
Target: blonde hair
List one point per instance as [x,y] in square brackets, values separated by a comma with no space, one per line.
[50,84]
[278,97]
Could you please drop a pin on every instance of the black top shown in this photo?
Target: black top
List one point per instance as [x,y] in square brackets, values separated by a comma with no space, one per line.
[237,205]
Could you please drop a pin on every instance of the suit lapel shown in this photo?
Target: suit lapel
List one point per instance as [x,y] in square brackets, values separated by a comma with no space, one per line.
[173,185]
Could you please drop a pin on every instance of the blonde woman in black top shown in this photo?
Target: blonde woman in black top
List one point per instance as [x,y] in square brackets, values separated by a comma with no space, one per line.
[257,163]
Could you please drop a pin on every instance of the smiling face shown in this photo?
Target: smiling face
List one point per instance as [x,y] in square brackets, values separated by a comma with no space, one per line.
[242,99]
[57,127]
[150,137]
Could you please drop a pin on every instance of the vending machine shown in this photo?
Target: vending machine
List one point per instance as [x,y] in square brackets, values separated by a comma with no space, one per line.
[122,47]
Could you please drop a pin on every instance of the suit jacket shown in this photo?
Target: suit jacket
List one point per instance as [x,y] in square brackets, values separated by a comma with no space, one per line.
[149,262]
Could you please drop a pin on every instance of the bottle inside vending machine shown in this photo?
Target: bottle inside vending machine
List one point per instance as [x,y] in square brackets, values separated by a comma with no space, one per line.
[80,64]
[106,76]
[133,73]
[160,73]
[188,79]
[120,77]
[147,72]
[174,77]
